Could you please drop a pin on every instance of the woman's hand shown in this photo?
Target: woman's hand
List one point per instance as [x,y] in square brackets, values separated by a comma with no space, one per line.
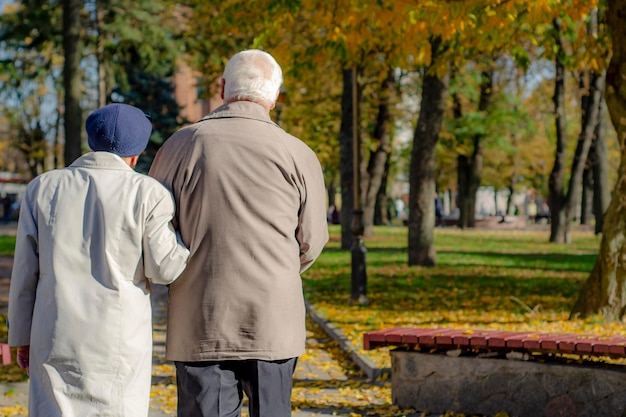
[23,357]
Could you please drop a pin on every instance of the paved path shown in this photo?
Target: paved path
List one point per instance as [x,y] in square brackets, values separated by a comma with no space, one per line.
[325,376]
[321,375]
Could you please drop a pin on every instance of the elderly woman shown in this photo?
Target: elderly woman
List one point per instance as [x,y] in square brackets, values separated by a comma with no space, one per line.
[90,238]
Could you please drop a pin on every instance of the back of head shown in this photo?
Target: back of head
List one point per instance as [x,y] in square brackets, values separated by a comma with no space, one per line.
[118,128]
[252,75]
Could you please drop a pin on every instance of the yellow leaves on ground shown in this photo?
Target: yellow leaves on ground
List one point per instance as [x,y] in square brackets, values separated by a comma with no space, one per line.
[12,403]
[485,279]
[325,378]
[165,369]
[365,396]
[11,372]
[17,410]
[467,320]
[163,397]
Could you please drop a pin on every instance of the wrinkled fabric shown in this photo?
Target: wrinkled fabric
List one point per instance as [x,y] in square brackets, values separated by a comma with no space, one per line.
[251,206]
[90,239]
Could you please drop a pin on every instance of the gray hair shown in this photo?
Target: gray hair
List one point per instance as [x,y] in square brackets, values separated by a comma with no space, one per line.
[252,75]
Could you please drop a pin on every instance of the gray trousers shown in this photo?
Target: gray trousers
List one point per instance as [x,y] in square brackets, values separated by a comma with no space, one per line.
[215,389]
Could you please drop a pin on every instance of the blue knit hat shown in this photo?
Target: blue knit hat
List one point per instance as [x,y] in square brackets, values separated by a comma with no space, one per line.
[118,128]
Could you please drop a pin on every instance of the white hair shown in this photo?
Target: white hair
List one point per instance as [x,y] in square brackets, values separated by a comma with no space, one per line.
[252,75]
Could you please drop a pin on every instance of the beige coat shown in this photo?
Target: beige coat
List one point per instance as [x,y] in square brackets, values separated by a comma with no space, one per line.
[251,205]
[88,237]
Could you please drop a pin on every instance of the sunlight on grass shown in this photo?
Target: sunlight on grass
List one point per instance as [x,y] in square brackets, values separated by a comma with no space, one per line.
[484,279]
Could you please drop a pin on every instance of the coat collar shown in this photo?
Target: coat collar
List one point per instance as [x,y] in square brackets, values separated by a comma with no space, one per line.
[104,160]
[240,109]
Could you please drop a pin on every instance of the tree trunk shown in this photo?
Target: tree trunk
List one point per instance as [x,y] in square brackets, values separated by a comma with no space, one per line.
[566,206]
[586,203]
[600,164]
[556,185]
[331,191]
[72,80]
[102,84]
[461,168]
[463,191]
[604,292]
[510,201]
[378,158]
[514,179]
[422,167]
[346,156]
[58,146]
[472,170]
[380,215]
[590,120]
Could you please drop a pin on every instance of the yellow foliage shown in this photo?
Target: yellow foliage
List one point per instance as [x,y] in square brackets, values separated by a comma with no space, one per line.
[14,410]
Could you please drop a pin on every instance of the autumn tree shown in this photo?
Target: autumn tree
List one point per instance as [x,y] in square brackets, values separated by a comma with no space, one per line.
[470,166]
[511,152]
[565,197]
[461,42]
[596,189]
[67,36]
[378,165]
[422,167]
[369,46]
[30,83]
[604,292]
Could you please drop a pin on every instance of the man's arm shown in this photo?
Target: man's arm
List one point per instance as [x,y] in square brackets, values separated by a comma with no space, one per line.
[312,233]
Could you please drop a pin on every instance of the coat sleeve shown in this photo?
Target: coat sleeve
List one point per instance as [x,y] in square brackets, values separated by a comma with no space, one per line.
[165,254]
[312,233]
[25,274]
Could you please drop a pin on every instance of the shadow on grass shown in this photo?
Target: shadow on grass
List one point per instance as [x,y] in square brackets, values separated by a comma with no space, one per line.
[444,292]
[398,257]
[543,261]
[381,257]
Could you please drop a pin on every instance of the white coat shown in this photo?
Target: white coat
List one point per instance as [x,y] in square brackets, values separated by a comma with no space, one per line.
[88,237]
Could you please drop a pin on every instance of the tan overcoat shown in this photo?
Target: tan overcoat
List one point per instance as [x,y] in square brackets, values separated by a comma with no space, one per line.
[251,205]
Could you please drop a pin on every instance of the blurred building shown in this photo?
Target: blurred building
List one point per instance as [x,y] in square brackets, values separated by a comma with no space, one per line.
[190,95]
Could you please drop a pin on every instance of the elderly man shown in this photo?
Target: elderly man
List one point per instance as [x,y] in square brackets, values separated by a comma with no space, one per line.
[251,205]
[90,238]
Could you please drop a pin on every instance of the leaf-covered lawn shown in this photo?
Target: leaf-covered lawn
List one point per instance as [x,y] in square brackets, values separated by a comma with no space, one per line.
[484,279]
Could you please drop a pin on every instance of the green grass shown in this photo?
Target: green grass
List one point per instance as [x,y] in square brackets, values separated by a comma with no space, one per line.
[7,245]
[489,279]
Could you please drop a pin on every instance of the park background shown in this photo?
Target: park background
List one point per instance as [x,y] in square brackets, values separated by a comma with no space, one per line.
[425,101]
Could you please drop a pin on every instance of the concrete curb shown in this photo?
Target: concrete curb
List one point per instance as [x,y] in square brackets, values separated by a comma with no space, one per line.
[365,365]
